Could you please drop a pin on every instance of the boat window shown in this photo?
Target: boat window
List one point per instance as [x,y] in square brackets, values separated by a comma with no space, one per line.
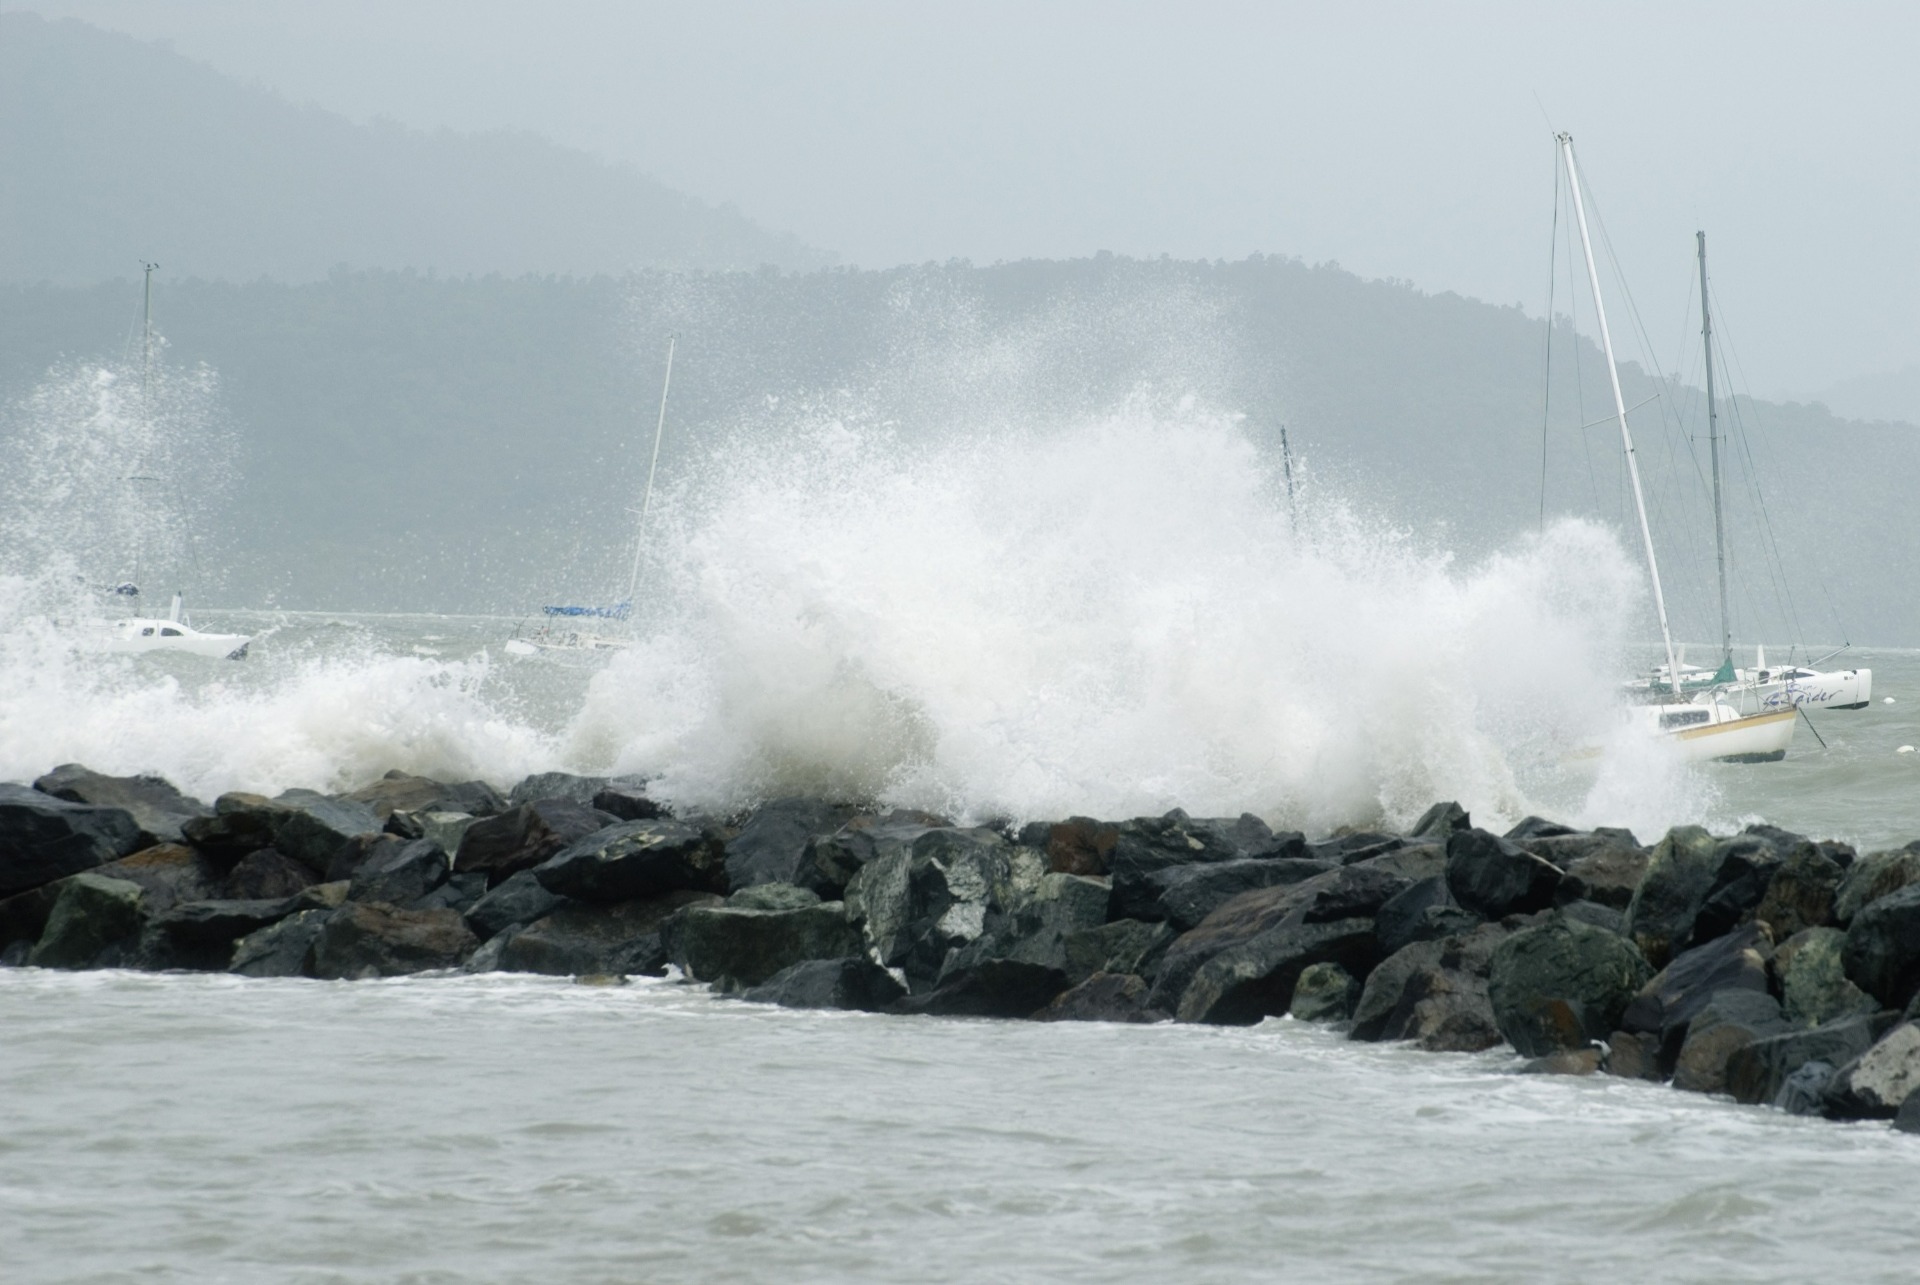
[1683,718]
[1800,673]
[147,632]
[170,633]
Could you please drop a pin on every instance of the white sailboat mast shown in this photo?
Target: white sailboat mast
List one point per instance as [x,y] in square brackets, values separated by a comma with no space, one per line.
[646,500]
[1620,410]
[1713,444]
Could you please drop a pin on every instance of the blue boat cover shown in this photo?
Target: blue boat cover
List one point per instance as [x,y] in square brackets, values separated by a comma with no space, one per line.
[616,612]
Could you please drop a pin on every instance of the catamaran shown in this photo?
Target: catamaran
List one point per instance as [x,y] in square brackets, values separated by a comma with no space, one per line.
[1723,723]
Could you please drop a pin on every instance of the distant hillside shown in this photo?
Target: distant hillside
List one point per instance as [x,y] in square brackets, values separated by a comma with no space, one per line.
[114,150]
[407,442]
[1892,395]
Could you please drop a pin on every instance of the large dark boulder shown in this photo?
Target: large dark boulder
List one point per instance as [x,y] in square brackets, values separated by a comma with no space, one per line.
[630,803]
[1876,1084]
[402,876]
[637,859]
[1729,1022]
[577,939]
[1125,946]
[1439,822]
[1104,997]
[854,983]
[1433,993]
[517,902]
[1494,877]
[744,947]
[1149,846]
[1679,875]
[310,827]
[563,785]
[359,941]
[1758,1072]
[772,846]
[1812,979]
[1744,867]
[282,949]
[200,935]
[168,874]
[1876,875]
[1035,925]
[1254,980]
[1425,911]
[831,861]
[1562,985]
[992,988]
[153,802]
[915,905]
[266,874]
[93,915]
[1603,867]
[1882,950]
[1324,993]
[1076,846]
[1668,1003]
[1185,895]
[526,836]
[43,838]
[1801,894]
[399,791]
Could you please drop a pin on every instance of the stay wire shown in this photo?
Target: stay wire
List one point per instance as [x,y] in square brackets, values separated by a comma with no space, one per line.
[1546,398]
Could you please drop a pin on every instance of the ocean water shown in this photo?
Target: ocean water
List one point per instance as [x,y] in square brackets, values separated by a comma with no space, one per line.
[509,1129]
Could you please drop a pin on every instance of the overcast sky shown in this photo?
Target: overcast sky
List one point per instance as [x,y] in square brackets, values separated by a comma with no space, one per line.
[1402,140]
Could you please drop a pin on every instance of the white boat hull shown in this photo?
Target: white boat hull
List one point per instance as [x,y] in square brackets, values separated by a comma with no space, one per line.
[1724,735]
[140,635]
[1811,689]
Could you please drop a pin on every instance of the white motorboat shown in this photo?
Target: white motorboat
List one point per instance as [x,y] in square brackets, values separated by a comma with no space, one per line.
[1709,729]
[137,635]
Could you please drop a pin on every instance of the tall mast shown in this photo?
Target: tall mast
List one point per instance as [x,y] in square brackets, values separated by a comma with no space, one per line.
[646,501]
[146,335]
[1713,448]
[1620,411]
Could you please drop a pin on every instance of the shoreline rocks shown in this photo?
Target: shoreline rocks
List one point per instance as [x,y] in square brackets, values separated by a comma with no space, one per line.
[1763,966]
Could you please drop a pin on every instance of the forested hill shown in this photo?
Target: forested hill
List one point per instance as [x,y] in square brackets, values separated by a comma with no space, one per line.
[115,151]
[413,442]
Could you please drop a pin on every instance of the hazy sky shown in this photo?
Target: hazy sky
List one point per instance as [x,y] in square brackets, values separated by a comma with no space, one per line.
[1403,140]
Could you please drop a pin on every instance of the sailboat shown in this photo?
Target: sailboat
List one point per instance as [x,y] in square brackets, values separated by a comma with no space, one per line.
[556,634]
[1777,687]
[1715,724]
[138,634]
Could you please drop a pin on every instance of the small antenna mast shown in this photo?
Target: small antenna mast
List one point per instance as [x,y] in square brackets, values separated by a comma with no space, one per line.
[146,335]
[1286,459]
[646,501]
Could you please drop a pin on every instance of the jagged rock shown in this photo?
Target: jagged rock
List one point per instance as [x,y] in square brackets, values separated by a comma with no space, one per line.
[361,849]
[1876,875]
[518,901]
[1147,847]
[1744,867]
[1324,993]
[1076,846]
[1440,821]
[1345,892]
[1495,878]
[1758,1072]
[1103,997]
[1598,867]
[1879,1081]
[992,988]
[43,838]
[1536,827]
[307,826]
[916,905]
[23,916]
[1125,946]
[630,803]
[832,861]
[283,949]
[1814,988]
[1907,1118]
[1256,979]
[1882,949]
[527,836]
[361,940]
[562,785]
[1036,926]
[1425,911]
[168,874]
[399,877]
[1805,1091]
[1801,894]
[399,791]
[320,896]
[459,892]
[445,828]
[581,939]
[747,947]
[1634,1056]
[1562,985]
[1679,875]
[772,846]
[266,874]
[92,915]
[774,896]
[1566,1062]
[855,983]
[637,859]
[1669,1002]
[154,804]
[1185,895]
[1727,1023]
[200,935]
[1434,993]
[1350,847]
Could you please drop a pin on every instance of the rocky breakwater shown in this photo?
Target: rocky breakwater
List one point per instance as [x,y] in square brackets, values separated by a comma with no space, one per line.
[1764,966]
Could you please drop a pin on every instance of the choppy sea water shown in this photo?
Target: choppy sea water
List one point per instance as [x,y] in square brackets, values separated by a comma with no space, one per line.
[508,1129]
